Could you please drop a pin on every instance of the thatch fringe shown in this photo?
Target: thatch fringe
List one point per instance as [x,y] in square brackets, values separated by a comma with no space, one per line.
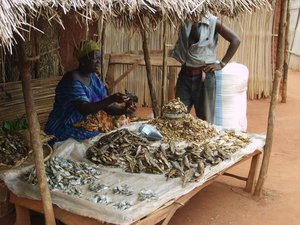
[18,16]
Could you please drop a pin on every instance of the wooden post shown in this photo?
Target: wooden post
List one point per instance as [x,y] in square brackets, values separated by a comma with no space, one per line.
[101,41]
[250,184]
[165,65]
[276,83]
[34,128]
[102,47]
[286,53]
[155,107]
[2,56]
[110,78]
[172,83]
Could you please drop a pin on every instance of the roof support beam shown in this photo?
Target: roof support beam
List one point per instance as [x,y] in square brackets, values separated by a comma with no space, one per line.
[34,129]
[274,99]
[155,107]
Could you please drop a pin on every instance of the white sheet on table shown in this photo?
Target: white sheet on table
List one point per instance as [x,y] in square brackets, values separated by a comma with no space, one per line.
[166,190]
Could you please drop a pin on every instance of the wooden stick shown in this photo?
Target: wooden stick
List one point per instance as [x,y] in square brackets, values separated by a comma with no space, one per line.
[2,55]
[286,41]
[124,74]
[172,83]
[165,65]
[34,129]
[155,107]
[102,47]
[279,66]
[235,176]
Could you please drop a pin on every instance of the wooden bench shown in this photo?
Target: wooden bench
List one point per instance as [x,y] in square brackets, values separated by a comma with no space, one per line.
[164,213]
[12,102]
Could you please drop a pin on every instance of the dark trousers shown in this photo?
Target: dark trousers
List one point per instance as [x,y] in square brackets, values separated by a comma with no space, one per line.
[202,94]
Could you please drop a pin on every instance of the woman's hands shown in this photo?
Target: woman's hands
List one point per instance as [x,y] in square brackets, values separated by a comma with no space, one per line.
[120,104]
[118,98]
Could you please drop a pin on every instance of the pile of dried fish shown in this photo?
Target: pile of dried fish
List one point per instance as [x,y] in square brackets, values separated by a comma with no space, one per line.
[174,107]
[127,150]
[63,175]
[114,148]
[13,150]
[231,142]
[187,128]
[189,162]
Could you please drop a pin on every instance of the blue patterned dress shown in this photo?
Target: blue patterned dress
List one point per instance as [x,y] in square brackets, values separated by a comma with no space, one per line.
[64,114]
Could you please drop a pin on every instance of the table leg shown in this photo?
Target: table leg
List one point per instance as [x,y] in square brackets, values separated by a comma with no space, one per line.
[252,173]
[170,214]
[22,216]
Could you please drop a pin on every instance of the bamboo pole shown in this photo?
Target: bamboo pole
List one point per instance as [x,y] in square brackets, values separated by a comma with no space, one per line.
[165,65]
[145,38]
[34,129]
[278,73]
[286,53]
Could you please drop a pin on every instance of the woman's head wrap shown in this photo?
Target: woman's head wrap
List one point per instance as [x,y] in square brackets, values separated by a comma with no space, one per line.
[85,47]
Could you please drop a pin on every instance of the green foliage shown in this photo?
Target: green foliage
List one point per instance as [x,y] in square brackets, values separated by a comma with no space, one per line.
[15,125]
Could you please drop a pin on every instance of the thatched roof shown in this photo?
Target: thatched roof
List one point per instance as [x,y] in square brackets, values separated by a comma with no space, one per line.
[19,15]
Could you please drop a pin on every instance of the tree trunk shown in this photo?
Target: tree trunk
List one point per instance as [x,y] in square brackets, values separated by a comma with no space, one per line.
[276,83]
[34,128]
[165,65]
[155,107]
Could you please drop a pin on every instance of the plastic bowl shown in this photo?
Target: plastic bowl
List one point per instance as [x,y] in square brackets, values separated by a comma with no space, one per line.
[174,115]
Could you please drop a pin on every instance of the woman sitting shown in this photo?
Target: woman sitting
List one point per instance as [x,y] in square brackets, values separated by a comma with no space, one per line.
[80,93]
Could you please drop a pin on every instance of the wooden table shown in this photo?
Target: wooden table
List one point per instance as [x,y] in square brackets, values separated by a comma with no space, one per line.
[164,213]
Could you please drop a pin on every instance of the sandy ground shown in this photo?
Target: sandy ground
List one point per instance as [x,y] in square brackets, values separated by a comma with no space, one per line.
[224,202]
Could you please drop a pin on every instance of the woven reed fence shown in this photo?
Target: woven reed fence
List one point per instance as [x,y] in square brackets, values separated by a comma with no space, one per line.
[294,35]
[254,52]
[254,30]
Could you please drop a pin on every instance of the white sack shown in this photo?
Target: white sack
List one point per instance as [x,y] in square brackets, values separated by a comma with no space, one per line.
[231,96]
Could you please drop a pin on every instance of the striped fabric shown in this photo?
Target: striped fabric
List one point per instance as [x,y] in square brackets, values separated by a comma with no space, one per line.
[64,114]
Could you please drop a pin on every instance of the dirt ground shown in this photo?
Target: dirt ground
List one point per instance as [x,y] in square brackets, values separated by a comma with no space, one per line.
[224,202]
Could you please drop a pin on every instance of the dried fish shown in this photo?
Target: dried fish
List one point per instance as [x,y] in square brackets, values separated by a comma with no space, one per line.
[13,149]
[74,191]
[104,199]
[122,190]
[97,187]
[112,149]
[133,153]
[122,205]
[63,174]
[187,128]
[174,107]
[147,195]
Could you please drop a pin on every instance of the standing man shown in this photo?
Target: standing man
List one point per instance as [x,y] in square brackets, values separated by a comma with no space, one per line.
[196,49]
